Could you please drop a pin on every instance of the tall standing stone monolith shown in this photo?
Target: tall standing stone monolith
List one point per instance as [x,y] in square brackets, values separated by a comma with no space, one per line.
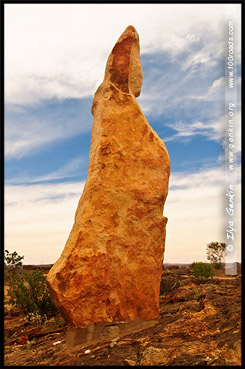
[110,268]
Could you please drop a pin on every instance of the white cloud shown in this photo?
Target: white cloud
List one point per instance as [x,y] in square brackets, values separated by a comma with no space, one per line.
[28,130]
[73,168]
[217,85]
[70,169]
[169,89]
[206,55]
[214,130]
[61,50]
[20,138]
[38,218]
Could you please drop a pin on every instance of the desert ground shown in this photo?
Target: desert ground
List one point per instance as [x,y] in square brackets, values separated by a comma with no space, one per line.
[199,324]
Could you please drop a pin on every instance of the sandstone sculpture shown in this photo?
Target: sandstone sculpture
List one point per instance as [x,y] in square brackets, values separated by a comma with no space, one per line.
[110,268]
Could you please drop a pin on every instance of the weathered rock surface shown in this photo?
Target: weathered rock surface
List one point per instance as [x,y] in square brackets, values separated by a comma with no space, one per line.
[110,268]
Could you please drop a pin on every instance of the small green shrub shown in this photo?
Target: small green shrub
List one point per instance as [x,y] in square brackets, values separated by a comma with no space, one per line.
[202,270]
[30,294]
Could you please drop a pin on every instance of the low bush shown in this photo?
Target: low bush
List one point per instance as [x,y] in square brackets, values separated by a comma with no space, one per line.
[202,270]
[30,294]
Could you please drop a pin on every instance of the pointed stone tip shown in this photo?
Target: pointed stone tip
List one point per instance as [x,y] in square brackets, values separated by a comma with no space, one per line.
[123,67]
[130,29]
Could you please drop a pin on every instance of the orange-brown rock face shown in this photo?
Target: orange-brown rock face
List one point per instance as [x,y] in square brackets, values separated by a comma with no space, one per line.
[110,268]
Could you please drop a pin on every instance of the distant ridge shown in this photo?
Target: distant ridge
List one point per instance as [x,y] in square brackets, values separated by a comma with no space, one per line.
[166,265]
[37,266]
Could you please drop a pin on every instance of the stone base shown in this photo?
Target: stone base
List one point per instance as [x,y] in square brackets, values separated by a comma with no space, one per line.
[104,331]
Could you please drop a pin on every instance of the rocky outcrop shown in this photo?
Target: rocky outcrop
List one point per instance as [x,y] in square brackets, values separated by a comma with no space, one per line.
[110,268]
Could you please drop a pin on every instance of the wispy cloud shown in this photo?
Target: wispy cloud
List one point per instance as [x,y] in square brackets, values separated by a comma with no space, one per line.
[29,129]
[71,169]
[214,130]
[211,130]
[214,92]
[217,86]
[204,178]
[170,91]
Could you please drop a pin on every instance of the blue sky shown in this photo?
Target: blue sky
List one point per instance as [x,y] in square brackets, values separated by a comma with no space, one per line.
[55,57]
